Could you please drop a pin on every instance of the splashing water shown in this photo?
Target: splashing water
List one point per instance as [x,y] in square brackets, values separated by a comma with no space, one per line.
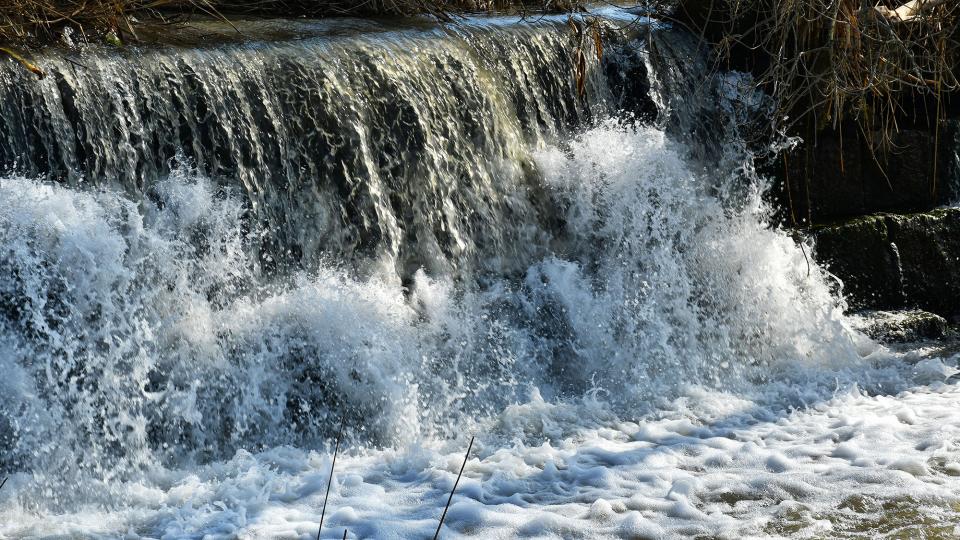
[650,359]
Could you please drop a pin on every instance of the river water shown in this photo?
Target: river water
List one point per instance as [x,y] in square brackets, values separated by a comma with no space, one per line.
[213,254]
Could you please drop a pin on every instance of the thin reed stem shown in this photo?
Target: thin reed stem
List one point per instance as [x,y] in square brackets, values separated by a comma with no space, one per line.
[336,450]
[454,490]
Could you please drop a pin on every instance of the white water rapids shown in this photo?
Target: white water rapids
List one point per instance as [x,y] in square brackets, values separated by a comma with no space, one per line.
[666,365]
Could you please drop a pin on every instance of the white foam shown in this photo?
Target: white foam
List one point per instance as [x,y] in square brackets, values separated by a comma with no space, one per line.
[601,483]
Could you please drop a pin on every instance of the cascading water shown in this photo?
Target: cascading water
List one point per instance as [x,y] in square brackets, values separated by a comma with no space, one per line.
[410,145]
[210,254]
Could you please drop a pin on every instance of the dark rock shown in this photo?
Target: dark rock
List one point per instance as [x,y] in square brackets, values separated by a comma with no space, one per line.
[890,261]
[837,175]
[903,180]
[901,326]
[8,438]
[825,179]
[949,160]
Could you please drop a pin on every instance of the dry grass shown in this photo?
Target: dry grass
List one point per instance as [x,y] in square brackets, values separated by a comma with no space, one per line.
[27,23]
[30,22]
[833,59]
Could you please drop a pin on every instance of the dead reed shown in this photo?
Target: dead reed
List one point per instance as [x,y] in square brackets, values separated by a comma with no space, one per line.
[827,60]
[336,450]
[436,535]
[30,23]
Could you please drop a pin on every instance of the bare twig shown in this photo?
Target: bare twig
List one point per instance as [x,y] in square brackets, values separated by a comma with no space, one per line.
[452,491]
[30,66]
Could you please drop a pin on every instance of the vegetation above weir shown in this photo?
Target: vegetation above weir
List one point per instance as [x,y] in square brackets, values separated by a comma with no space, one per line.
[36,22]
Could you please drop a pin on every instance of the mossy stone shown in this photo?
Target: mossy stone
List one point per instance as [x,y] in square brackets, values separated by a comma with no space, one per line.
[902,326]
[859,252]
[896,261]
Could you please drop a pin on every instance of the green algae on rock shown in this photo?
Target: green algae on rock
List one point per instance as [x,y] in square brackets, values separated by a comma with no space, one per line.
[893,261]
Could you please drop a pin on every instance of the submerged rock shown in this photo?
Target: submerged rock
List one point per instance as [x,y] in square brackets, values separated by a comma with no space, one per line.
[890,261]
[933,370]
[8,438]
[901,326]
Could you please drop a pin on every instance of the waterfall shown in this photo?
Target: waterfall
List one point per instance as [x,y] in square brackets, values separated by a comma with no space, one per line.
[444,240]
[215,251]
[404,145]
